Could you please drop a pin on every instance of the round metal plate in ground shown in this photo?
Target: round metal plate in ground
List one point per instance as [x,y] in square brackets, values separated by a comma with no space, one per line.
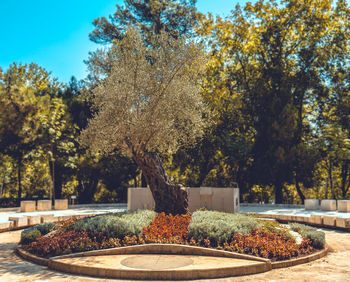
[156,262]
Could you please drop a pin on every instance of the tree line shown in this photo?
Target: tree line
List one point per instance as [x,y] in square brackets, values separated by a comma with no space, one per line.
[273,77]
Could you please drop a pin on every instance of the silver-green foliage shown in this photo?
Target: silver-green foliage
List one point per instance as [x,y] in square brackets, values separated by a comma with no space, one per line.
[116,224]
[317,238]
[219,226]
[32,233]
[150,98]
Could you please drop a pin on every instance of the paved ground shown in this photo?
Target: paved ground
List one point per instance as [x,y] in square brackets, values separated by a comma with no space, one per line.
[334,267]
[88,209]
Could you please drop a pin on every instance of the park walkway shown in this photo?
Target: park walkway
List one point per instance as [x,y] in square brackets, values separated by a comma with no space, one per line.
[334,267]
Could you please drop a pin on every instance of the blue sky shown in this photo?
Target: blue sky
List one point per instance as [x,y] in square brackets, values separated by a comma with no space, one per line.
[55,33]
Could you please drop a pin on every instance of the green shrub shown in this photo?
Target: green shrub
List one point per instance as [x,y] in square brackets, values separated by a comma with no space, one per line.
[307,232]
[219,226]
[29,235]
[45,227]
[117,225]
[32,233]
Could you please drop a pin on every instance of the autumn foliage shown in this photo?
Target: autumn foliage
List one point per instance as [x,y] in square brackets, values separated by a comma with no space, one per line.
[267,245]
[167,229]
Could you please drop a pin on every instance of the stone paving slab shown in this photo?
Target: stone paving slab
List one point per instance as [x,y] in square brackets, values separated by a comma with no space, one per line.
[157,262]
[158,266]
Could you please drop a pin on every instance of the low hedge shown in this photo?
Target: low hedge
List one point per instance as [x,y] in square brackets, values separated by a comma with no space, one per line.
[317,238]
[116,225]
[219,226]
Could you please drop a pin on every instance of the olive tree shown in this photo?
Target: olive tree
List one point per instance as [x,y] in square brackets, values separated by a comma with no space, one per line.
[150,103]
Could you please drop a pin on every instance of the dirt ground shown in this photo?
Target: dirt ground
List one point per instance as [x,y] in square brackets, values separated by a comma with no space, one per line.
[334,267]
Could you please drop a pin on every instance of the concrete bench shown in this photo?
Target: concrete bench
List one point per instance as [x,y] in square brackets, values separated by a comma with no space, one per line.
[19,221]
[316,219]
[6,225]
[329,205]
[27,206]
[47,218]
[311,204]
[329,221]
[61,204]
[44,205]
[343,222]
[344,205]
[34,220]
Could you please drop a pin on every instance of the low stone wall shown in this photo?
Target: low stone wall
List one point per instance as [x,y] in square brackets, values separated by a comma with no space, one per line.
[220,199]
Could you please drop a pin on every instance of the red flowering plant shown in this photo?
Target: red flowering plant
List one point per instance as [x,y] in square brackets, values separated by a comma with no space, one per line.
[266,244]
[167,229]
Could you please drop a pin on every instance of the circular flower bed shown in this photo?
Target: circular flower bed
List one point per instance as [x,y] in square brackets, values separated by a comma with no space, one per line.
[231,232]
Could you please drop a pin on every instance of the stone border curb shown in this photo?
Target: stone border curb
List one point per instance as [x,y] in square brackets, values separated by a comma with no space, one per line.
[174,249]
[302,260]
[261,265]
[172,274]
[30,257]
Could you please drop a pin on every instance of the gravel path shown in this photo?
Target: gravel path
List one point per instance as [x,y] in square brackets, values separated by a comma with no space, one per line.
[334,267]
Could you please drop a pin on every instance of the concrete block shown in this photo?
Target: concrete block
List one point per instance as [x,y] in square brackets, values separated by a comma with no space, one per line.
[212,198]
[140,198]
[19,221]
[61,204]
[316,219]
[302,219]
[206,198]
[34,220]
[47,218]
[311,204]
[62,217]
[329,221]
[44,205]
[194,201]
[344,205]
[6,225]
[343,222]
[206,191]
[329,205]
[27,206]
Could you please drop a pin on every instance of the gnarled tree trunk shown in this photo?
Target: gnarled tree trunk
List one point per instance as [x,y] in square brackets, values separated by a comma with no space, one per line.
[168,198]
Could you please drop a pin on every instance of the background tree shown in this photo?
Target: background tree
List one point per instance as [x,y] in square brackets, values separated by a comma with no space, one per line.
[23,112]
[176,18]
[150,103]
[278,57]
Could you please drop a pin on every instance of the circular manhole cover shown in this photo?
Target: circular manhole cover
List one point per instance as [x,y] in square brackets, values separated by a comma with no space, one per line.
[156,262]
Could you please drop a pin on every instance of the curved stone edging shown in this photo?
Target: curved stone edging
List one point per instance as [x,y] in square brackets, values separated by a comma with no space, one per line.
[173,274]
[302,260]
[28,256]
[164,249]
[261,265]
